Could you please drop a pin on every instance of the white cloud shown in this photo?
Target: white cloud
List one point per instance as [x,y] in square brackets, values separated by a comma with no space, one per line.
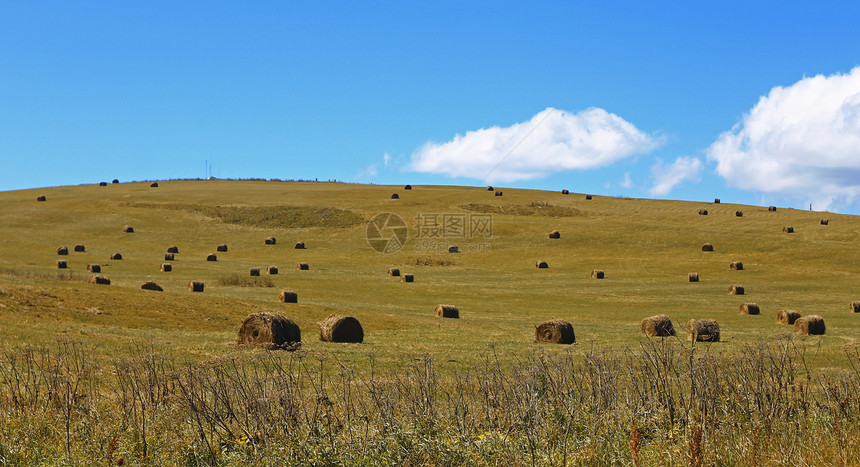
[666,178]
[551,141]
[627,182]
[801,142]
[386,158]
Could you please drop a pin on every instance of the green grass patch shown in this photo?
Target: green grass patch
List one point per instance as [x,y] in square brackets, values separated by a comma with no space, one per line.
[535,208]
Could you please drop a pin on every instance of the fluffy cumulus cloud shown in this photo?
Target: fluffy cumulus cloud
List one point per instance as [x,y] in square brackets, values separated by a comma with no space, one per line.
[551,141]
[800,141]
[666,178]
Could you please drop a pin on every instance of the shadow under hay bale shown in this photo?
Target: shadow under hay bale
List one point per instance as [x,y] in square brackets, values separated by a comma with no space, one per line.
[555,234]
[407,278]
[154,185]
[99,279]
[446,311]
[565,192]
[809,325]
[787,316]
[300,246]
[393,272]
[736,290]
[395,196]
[173,249]
[693,277]
[541,265]
[272,270]
[211,257]
[749,309]
[707,247]
[41,198]
[169,257]
[288,296]
[587,196]
[771,209]
[302,267]
[94,268]
[221,247]
[271,241]
[556,331]
[788,229]
[80,248]
[739,214]
[703,212]
[269,330]
[407,187]
[499,193]
[166,267]
[255,271]
[597,274]
[337,328]
[63,250]
[825,221]
[102,183]
[855,307]
[128,229]
[658,326]
[703,330]
[195,286]
[736,266]
[150,285]
[61,264]
[717,201]
[453,249]
[116,256]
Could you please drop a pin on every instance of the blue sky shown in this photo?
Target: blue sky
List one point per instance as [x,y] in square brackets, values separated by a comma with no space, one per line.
[751,102]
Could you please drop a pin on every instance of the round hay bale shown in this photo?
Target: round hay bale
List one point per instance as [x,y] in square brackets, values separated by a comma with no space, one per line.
[703,212]
[302,267]
[393,272]
[255,271]
[288,296]
[703,330]
[453,249]
[63,250]
[195,286]
[272,270]
[337,328]
[555,234]
[99,279]
[772,209]
[61,264]
[271,241]
[693,277]
[446,311]
[407,187]
[300,246]
[154,185]
[102,183]
[716,200]
[658,326]
[587,196]
[94,268]
[597,274]
[788,229]
[707,247]
[787,316]
[736,266]
[565,192]
[809,325]
[556,331]
[490,188]
[211,257]
[499,193]
[855,307]
[116,256]
[270,330]
[221,247]
[825,221]
[541,265]
[115,181]
[173,249]
[80,248]
[150,285]
[736,290]
[749,309]
[407,278]
[395,196]
[41,198]
[739,214]
[166,267]
[169,257]
[128,229]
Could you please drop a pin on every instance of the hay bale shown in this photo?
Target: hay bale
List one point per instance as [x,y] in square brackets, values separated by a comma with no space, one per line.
[490,188]
[658,326]
[166,267]
[300,245]
[393,272]
[739,214]
[80,248]
[395,196]
[173,249]
[587,196]
[407,187]
[788,229]
[825,221]
[195,286]
[102,183]
[255,271]
[809,325]
[407,278]
[169,257]
[211,257]
[703,212]
[99,279]
[446,311]
[693,277]
[565,192]
[288,296]
[154,185]
[337,328]
[150,285]
[703,330]
[272,270]
[772,209]
[716,200]
[94,268]
[128,229]
[736,290]
[116,256]
[115,181]
[453,249]
[736,266]
[541,265]
[556,331]
[499,193]
[707,247]
[271,241]
[597,274]
[61,264]
[63,250]
[749,309]
[41,198]
[302,267]
[221,247]
[855,307]
[555,234]
[787,316]
[269,330]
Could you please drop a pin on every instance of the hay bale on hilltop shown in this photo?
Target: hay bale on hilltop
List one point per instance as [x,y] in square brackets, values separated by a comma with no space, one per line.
[41,198]
[565,192]
[116,256]
[855,307]
[597,274]
[272,270]
[61,264]
[80,248]
[407,187]
[255,271]
[446,311]
[788,229]
[658,326]
[453,249]
[128,229]
[748,309]
[499,193]
[195,286]
[300,245]
[739,214]
[707,247]
[337,328]
[407,278]
[269,330]
[302,267]
[150,285]
[102,183]
[288,296]
[703,212]
[736,290]
[94,268]
[703,330]
[271,241]
[221,247]
[99,279]
[173,249]
[809,325]
[772,209]
[63,250]
[169,257]
[736,266]
[787,316]
[825,221]
[154,185]
[115,181]
[395,196]
[166,267]
[541,265]
[212,257]
[556,331]
[587,196]
[393,272]
[490,188]
[693,277]
[555,234]
[716,200]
